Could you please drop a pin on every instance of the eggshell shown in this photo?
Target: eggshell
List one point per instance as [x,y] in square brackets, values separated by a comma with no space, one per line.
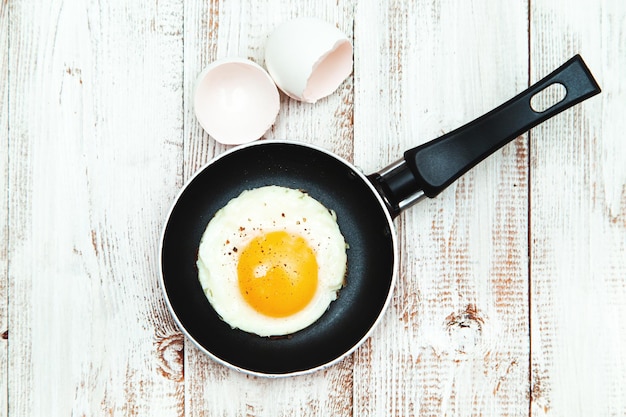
[235,100]
[308,58]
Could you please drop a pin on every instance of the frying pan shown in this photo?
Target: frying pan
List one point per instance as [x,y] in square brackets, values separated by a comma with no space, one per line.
[365,205]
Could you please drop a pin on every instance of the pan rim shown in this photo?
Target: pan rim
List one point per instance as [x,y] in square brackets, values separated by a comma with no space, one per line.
[383,309]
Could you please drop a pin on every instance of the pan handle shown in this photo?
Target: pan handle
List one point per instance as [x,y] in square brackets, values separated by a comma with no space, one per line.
[435,165]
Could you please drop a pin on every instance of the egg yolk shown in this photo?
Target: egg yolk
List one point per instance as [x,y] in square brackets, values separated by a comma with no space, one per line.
[277,274]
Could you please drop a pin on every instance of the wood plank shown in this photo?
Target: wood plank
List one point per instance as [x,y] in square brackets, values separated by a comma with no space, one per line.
[4,209]
[578,218]
[455,339]
[217,29]
[95,120]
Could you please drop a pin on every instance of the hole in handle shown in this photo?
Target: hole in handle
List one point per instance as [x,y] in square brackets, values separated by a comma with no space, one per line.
[548,97]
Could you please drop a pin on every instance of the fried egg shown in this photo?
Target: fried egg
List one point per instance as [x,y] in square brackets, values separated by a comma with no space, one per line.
[272,260]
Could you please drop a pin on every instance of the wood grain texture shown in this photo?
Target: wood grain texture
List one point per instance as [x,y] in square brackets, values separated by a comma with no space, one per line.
[455,339]
[4,208]
[95,119]
[218,29]
[578,206]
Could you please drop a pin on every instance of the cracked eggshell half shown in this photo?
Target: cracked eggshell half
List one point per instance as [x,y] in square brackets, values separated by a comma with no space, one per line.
[235,101]
[308,58]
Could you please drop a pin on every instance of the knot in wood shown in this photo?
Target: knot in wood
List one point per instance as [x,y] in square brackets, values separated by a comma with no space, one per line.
[170,356]
[465,330]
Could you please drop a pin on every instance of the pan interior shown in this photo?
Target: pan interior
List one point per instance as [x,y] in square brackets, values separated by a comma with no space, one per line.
[362,221]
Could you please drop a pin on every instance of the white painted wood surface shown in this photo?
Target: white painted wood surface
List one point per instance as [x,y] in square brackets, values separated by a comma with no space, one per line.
[4,213]
[578,228]
[512,293]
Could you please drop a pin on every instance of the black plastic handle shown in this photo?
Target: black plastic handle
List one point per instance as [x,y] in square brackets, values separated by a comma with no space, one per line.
[438,163]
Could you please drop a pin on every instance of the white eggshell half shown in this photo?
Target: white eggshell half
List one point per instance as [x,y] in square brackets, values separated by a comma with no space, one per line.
[235,101]
[308,58]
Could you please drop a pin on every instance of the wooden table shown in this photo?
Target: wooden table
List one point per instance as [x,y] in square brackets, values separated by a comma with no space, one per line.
[511,299]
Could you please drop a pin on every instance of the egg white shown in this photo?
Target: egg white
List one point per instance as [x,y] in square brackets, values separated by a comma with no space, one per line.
[256,212]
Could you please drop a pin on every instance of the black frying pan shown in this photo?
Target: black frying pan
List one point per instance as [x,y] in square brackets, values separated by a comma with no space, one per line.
[365,207]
